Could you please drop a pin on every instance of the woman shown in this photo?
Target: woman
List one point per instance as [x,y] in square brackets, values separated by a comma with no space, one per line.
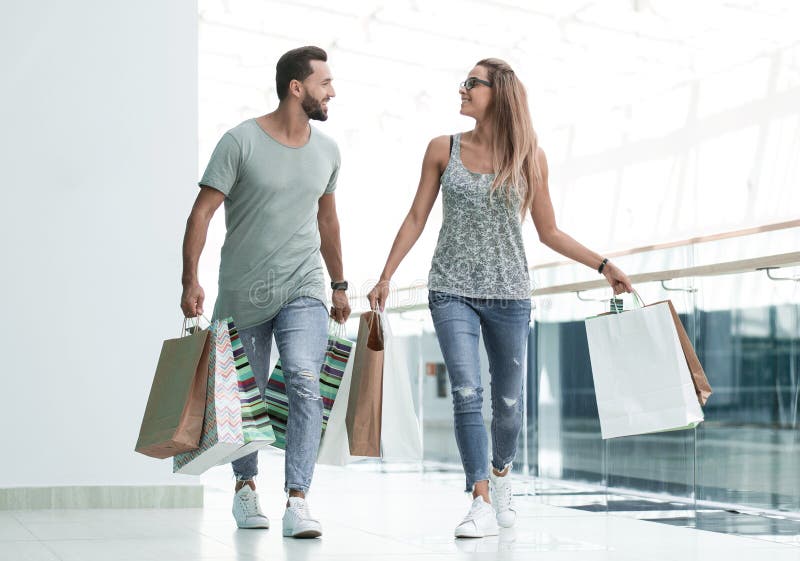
[490,178]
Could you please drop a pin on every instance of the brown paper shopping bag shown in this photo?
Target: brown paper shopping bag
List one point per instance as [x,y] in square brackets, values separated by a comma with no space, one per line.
[364,405]
[701,385]
[173,418]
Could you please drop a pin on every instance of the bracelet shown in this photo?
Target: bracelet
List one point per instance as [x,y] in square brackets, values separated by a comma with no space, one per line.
[602,266]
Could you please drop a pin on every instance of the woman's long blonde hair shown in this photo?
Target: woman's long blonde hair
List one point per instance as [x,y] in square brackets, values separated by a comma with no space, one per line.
[514,142]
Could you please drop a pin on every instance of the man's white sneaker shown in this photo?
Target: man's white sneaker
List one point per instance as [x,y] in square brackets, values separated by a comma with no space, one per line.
[298,522]
[479,521]
[247,511]
[500,489]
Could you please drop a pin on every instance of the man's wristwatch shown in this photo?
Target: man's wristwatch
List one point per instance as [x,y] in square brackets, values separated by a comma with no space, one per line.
[341,285]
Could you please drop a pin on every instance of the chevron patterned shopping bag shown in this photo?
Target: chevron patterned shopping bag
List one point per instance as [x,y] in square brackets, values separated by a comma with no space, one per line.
[222,426]
[330,377]
[256,427]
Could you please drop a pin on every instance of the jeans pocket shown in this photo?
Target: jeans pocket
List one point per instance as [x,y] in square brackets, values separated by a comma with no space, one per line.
[436,298]
[524,304]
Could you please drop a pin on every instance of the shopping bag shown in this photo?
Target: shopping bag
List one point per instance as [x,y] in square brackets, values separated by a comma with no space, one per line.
[222,426]
[701,386]
[401,438]
[173,417]
[400,430]
[641,377]
[699,379]
[256,427]
[334,449]
[363,417]
[337,356]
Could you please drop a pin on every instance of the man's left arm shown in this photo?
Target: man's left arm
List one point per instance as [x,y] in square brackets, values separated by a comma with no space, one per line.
[331,249]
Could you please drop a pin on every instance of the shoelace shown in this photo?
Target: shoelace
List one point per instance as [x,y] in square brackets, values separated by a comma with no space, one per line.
[250,503]
[302,511]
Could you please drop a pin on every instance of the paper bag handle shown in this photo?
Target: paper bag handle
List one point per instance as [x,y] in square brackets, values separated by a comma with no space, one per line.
[188,322]
[637,299]
[377,315]
[336,329]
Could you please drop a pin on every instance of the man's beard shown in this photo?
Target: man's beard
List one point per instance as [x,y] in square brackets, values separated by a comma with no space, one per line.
[313,108]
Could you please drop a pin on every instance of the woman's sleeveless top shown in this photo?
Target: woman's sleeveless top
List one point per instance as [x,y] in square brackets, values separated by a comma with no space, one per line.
[480,252]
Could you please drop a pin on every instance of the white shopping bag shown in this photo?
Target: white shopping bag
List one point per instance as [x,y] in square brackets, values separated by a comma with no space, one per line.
[641,379]
[400,431]
[334,449]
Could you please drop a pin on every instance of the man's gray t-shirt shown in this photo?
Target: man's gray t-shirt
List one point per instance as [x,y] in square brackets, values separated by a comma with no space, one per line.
[271,252]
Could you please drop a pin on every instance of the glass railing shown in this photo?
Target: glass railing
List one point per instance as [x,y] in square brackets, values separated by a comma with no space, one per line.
[745,326]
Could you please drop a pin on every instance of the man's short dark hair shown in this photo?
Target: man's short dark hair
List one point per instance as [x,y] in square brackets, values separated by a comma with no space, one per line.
[296,65]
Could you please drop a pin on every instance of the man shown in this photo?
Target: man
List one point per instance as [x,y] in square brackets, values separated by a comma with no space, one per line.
[277,175]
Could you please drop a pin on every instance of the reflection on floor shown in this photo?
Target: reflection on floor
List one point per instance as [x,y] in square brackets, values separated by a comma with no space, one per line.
[779,529]
[369,514]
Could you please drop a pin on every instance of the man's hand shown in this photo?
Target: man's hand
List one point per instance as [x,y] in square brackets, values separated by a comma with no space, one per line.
[192,300]
[340,310]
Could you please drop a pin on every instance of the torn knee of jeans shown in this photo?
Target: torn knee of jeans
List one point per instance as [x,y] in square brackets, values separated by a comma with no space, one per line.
[305,393]
[307,374]
[509,402]
[466,394]
[302,381]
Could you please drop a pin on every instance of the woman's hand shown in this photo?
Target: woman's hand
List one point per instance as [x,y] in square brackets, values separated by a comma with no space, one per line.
[618,280]
[378,295]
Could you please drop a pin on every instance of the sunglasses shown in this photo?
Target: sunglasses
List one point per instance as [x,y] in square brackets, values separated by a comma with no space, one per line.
[470,83]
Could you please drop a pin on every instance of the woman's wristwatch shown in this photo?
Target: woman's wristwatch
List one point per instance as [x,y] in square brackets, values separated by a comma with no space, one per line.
[602,266]
[339,285]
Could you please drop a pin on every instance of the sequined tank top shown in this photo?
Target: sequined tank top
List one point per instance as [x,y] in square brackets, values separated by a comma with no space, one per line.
[480,252]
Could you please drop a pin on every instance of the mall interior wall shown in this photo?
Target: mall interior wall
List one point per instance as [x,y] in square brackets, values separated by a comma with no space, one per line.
[98,154]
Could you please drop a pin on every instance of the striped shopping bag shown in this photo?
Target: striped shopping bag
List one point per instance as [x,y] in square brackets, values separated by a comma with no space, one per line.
[330,377]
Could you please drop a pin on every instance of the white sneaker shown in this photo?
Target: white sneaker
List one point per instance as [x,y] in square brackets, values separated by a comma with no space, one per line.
[479,521]
[500,489]
[298,522]
[247,511]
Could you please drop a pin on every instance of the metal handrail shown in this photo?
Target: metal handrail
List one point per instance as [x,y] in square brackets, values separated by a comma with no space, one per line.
[724,268]
[765,263]
[788,225]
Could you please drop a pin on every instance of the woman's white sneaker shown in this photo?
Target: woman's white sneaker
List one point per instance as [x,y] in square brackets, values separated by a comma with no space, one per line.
[247,511]
[500,490]
[479,521]
[298,522]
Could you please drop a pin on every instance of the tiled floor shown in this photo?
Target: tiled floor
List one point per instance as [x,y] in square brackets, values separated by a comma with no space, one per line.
[367,515]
